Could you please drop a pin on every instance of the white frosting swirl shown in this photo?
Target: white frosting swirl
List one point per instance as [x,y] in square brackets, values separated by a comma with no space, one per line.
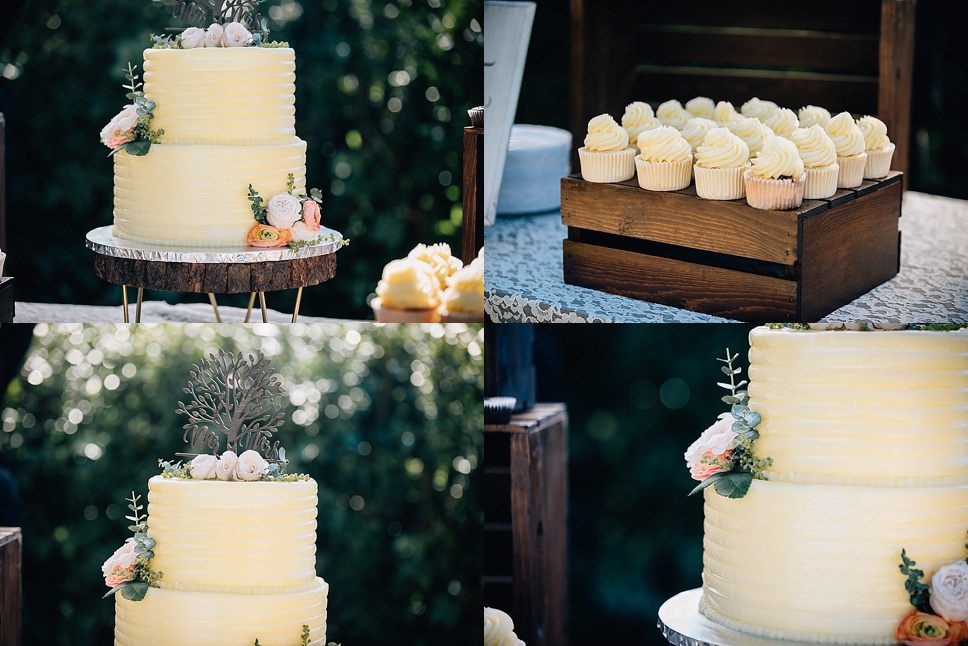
[752,132]
[845,134]
[638,118]
[757,108]
[725,113]
[722,149]
[778,158]
[499,629]
[671,113]
[695,131]
[875,133]
[815,146]
[663,144]
[783,122]
[811,114]
[701,106]
[605,135]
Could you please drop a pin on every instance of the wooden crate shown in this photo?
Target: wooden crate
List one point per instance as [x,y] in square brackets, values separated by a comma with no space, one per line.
[10,549]
[727,258]
[7,311]
[525,522]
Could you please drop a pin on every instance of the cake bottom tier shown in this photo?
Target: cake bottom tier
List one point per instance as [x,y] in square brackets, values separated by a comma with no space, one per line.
[197,195]
[819,563]
[180,618]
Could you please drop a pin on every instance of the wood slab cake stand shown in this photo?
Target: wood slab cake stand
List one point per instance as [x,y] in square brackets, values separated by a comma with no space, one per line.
[211,270]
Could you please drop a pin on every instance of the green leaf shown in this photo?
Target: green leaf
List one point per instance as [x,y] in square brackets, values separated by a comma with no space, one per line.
[726,386]
[138,148]
[729,399]
[738,411]
[705,483]
[734,484]
[134,590]
[752,419]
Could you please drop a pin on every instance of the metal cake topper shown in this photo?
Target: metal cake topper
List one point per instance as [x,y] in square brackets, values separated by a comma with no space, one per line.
[196,12]
[240,397]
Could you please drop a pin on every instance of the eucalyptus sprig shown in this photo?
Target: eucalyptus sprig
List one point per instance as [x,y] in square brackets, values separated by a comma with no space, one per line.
[919,592]
[144,136]
[144,576]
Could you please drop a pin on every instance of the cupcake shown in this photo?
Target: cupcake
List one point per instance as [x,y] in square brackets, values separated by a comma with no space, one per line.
[664,162]
[606,155]
[783,121]
[408,292]
[757,108]
[671,113]
[776,178]
[463,300]
[637,119]
[811,114]
[878,146]
[725,113]
[720,163]
[695,131]
[439,258]
[851,150]
[701,106]
[752,131]
[819,157]
[498,410]
[499,629]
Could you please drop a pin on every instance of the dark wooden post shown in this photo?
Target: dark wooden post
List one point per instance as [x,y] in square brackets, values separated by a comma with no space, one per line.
[896,62]
[10,549]
[472,235]
[3,184]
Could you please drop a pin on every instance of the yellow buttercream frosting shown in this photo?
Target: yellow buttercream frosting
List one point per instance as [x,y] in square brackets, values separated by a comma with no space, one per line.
[637,118]
[752,131]
[701,106]
[811,114]
[671,113]
[439,257]
[757,108]
[875,133]
[777,158]
[465,290]
[722,149]
[815,146]
[605,135]
[408,284]
[725,114]
[782,121]
[695,131]
[499,629]
[845,134]
[663,144]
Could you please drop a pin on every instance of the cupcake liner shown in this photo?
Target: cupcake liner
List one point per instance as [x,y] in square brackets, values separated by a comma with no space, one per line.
[878,162]
[774,194]
[607,167]
[821,182]
[392,315]
[498,410]
[720,183]
[459,317]
[664,176]
[851,170]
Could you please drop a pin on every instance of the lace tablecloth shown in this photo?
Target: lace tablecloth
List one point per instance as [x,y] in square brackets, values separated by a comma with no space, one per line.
[523,275]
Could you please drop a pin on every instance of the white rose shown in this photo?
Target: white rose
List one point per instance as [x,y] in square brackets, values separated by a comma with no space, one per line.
[949,591]
[284,210]
[215,36]
[250,466]
[225,469]
[302,232]
[193,37]
[125,120]
[203,467]
[717,439]
[236,35]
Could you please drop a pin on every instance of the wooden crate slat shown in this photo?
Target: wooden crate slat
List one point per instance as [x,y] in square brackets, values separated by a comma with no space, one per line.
[859,16]
[10,585]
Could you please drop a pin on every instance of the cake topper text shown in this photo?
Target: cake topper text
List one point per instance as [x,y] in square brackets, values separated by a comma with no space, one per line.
[196,12]
[240,397]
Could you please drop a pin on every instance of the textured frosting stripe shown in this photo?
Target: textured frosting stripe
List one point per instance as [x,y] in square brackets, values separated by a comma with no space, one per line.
[222,95]
[166,617]
[886,408]
[233,535]
[198,195]
[785,559]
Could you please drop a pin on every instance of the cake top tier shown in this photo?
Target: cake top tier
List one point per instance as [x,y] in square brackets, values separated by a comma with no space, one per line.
[886,408]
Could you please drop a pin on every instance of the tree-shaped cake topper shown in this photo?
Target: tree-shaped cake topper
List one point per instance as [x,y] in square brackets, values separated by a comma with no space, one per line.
[197,12]
[237,396]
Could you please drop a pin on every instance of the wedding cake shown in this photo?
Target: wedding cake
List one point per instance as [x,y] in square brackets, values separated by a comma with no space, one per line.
[849,449]
[207,153]
[226,553]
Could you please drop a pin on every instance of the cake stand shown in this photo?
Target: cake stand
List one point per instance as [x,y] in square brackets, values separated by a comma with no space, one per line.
[212,270]
[681,623]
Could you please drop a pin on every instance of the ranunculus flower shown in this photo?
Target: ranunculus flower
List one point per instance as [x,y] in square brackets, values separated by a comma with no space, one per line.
[712,448]
[214,35]
[120,566]
[193,37]
[922,629]
[250,466]
[264,235]
[202,467]
[120,130]
[310,214]
[225,469]
[949,591]
[283,210]
[302,232]
[236,35]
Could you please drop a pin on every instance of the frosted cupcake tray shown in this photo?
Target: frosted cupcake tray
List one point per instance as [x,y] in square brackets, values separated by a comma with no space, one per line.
[727,258]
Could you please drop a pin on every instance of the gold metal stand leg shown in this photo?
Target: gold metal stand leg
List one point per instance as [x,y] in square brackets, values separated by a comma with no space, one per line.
[248,311]
[137,309]
[124,302]
[295,311]
[262,304]
[211,299]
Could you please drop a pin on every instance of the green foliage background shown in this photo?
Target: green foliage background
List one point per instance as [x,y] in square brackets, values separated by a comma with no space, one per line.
[382,93]
[389,417]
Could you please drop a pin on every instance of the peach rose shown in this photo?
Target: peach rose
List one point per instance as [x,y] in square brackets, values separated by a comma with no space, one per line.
[922,629]
[710,453]
[310,214]
[250,466]
[236,35]
[225,469]
[710,464]
[949,591]
[193,37]
[264,235]
[120,130]
[214,36]
[202,467]
[120,566]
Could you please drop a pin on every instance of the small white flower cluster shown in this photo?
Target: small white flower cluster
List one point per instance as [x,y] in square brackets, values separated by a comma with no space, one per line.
[233,34]
[249,466]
